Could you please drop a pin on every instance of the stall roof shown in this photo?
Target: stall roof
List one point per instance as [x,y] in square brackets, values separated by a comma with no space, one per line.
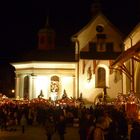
[133,52]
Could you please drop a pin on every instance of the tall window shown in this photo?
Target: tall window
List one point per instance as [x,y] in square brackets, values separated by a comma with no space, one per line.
[101,47]
[101,78]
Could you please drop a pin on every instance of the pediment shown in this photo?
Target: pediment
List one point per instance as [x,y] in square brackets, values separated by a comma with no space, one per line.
[89,32]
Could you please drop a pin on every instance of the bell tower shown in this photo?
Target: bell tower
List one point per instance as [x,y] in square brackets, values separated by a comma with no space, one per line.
[46,37]
[96,7]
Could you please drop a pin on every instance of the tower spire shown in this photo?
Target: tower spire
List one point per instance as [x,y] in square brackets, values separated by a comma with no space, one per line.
[47,21]
[47,24]
[46,37]
[96,7]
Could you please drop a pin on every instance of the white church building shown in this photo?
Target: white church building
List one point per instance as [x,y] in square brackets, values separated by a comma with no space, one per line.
[90,70]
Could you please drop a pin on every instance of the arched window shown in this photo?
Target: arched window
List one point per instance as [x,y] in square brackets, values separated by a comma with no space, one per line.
[101,78]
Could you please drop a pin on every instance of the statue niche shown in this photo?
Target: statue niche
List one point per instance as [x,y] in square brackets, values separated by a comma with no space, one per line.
[54,87]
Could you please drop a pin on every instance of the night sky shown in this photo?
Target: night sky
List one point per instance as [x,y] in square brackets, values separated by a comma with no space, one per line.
[20,21]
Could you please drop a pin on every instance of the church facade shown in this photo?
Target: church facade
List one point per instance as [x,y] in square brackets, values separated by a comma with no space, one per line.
[89,73]
[97,45]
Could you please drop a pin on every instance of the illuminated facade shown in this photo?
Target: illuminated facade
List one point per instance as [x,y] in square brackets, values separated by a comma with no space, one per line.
[50,78]
[96,46]
[90,73]
[45,71]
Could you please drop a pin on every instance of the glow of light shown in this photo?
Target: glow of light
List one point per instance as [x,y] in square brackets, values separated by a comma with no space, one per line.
[53,96]
[67,79]
[41,83]
[13,91]
[88,85]
[34,64]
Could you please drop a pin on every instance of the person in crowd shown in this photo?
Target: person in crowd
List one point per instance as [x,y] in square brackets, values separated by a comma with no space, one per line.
[85,126]
[135,132]
[3,119]
[108,122]
[30,116]
[99,129]
[61,126]
[50,127]
[112,131]
[122,126]
[91,127]
[82,127]
[23,122]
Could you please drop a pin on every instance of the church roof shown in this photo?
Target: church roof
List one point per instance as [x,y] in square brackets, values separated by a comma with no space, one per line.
[42,55]
[99,55]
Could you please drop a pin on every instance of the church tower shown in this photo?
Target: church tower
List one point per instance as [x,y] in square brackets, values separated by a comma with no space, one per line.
[96,7]
[46,38]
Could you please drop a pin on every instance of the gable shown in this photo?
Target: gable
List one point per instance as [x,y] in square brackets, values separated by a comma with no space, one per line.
[88,34]
[133,38]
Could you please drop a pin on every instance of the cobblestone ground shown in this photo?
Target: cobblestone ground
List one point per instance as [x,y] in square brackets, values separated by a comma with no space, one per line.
[37,133]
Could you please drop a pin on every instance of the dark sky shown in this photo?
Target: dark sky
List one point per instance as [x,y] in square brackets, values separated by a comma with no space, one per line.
[20,20]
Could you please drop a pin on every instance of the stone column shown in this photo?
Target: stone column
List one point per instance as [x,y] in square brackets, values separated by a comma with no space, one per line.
[30,87]
[74,89]
[17,86]
[21,86]
[33,87]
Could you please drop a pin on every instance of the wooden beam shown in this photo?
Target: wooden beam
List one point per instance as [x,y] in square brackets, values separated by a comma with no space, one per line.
[126,55]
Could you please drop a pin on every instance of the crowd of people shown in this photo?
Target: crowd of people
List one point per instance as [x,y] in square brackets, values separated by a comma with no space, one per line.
[100,122]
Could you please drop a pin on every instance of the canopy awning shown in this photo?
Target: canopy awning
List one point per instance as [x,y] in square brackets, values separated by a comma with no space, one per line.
[133,52]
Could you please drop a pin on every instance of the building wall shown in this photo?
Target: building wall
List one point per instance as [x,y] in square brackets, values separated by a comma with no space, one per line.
[132,40]
[40,79]
[89,89]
